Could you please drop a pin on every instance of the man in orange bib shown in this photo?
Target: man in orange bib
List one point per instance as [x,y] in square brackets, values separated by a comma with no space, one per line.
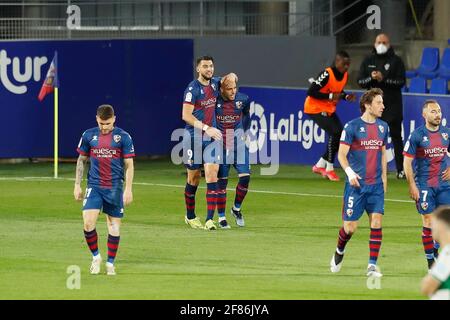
[320,105]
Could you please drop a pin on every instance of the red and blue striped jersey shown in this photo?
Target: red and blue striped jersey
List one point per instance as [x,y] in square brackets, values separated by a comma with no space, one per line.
[232,116]
[366,141]
[106,153]
[203,98]
[430,152]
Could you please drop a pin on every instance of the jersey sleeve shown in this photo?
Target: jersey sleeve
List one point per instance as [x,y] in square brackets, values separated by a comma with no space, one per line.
[83,146]
[347,135]
[441,269]
[410,146]
[190,96]
[386,136]
[127,146]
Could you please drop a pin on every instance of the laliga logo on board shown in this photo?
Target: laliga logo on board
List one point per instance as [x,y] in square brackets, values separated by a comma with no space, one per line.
[288,129]
[22,72]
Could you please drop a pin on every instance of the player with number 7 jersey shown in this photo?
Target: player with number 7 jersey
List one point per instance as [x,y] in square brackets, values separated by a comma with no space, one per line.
[429,188]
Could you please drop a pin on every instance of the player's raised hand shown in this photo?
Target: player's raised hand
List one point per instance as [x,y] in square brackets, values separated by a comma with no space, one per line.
[414,192]
[446,174]
[78,193]
[214,133]
[127,197]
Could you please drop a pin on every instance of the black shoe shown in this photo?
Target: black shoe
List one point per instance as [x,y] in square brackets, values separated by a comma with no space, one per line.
[430,263]
[401,175]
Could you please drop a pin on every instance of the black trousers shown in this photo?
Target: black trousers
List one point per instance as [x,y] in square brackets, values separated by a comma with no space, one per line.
[395,131]
[333,127]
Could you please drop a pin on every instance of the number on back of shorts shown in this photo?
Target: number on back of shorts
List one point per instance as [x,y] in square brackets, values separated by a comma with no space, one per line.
[350,202]
[88,192]
[189,153]
[425,194]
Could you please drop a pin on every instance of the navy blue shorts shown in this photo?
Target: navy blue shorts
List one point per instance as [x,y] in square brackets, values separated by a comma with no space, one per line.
[369,198]
[238,158]
[197,151]
[431,198]
[108,200]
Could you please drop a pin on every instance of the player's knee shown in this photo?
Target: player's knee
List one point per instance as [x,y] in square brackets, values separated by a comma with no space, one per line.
[114,229]
[350,228]
[88,225]
[193,178]
[427,218]
[376,223]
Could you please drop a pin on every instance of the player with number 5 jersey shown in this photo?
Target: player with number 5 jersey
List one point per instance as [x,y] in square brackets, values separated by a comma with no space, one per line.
[428,146]
[362,154]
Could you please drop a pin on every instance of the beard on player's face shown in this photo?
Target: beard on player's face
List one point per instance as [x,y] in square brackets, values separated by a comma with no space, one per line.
[206,76]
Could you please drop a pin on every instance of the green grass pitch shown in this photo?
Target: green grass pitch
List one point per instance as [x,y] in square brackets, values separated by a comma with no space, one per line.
[282,253]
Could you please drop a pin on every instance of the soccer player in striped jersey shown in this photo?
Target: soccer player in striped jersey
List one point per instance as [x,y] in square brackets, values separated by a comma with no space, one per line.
[200,140]
[430,187]
[111,151]
[362,154]
[233,119]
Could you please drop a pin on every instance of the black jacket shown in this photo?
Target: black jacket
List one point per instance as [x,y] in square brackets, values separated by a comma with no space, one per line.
[393,70]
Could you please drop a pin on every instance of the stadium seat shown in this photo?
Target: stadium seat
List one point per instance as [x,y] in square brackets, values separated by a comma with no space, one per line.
[439,86]
[410,74]
[418,85]
[444,68]
[429,64]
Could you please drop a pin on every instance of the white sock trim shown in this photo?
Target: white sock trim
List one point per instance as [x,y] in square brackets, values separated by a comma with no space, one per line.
[322,163]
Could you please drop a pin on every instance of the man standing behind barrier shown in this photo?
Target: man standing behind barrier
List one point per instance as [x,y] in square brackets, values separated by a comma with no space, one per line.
[320,105]
[385,70]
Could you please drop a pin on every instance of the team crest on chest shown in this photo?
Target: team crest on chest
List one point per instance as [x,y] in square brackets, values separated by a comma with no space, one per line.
[362,129]
[387,66]
[381,129]
[94,138]
[117,138]
[213,86]
[445,136]
[239,104]
[425,139]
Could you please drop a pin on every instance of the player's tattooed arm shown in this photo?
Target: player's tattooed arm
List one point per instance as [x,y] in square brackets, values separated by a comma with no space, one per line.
[129,175]
[81,163]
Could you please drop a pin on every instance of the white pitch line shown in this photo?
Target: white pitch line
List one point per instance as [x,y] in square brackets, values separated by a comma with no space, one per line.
[42,179]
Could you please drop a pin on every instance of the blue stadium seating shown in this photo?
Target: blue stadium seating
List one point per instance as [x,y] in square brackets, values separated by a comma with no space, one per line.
[428,66]
[439,86]
[444,69]
[418,85]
